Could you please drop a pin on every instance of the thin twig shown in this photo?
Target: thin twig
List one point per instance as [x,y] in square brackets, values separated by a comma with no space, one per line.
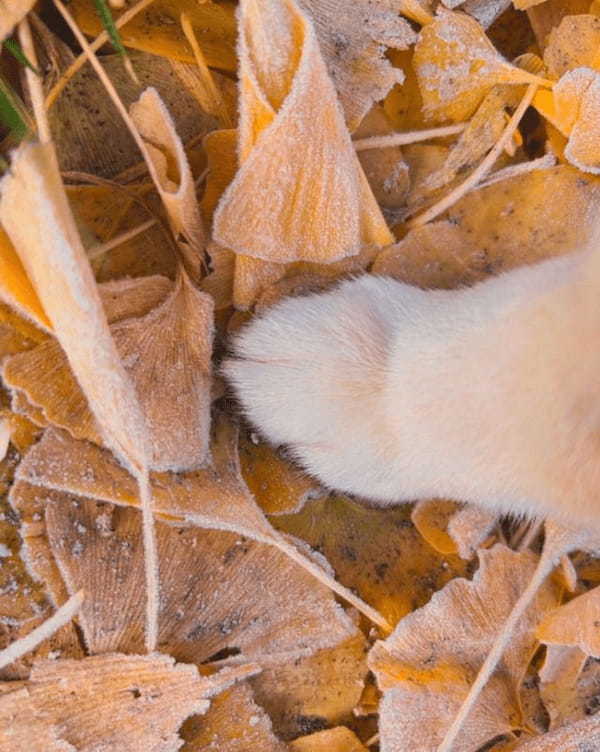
[219,107]
[102,248]
[150,562]
[34,84]
[483,168]
[409,137]
[330,582]
[101,39]
[28,643]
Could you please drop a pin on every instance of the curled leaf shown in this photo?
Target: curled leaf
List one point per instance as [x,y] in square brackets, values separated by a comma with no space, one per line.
[319,207]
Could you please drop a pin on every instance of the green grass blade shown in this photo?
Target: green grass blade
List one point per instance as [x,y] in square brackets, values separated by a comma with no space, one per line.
[113,34]
[15,50]
[13,114]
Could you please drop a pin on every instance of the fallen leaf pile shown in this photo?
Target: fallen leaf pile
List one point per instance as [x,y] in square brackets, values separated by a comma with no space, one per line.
[169,581]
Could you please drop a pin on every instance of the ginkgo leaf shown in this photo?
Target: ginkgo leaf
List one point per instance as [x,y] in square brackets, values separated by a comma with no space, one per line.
[377,552]
[432,656]
[138,702]
[44,385]
[583,735]
[20,728]
[98,548]
[338,739]
[15,287]
[172,176]
[577,114]
[167,354]
[482,132]
[573,43]
[451,527]
[157,29]
[277,486]
[456,66]
[215,497]
[320,206]
[233,723]
[11,12]
[559,689]
[575,624]
[353,37]
[314,692]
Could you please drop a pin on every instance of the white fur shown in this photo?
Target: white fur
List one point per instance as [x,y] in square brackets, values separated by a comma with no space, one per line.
[489,394]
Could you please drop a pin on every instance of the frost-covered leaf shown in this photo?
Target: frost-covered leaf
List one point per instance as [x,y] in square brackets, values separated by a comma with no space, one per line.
[577,114]
[559,690]
[456,66]
[576,737]
[133,703]
[21,729]
[353,37]
[233,723]
[573,43]
[338,739]
[251,601]
[319,206]
[431,658]
[576,624]
[172,176]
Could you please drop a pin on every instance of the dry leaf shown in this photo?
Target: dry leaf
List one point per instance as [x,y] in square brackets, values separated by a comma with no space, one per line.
[172,176]
[277,486]
[251,603]
[353,37]
[470,527]
[577,109]
[315,692]
[43,233]
[157,29]
[215,497]
[233,723]
[434,653]
[457,65]
[15,287]
[480,135]
[377,552]
[575,624]
[573,43]
[11,12]
[44,385]
[319,207]
[138,702]
[451,527]
[559,684]
[577,737]
[167,354]
[339,739]
[21,729]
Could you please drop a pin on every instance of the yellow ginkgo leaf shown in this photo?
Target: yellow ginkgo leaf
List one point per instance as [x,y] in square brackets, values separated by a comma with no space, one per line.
[300,193]
[456,66]
[573,43]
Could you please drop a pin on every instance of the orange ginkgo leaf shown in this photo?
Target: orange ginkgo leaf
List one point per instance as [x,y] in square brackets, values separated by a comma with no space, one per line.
[575,624]
[559,684]
[20,728]
[428,662]
[138,702]
[157,29]
[319,206]
[456,66]
[338,739]
[233,723]
[353,37]
[214,497]
[451,527]
[15,287]
[573,43]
